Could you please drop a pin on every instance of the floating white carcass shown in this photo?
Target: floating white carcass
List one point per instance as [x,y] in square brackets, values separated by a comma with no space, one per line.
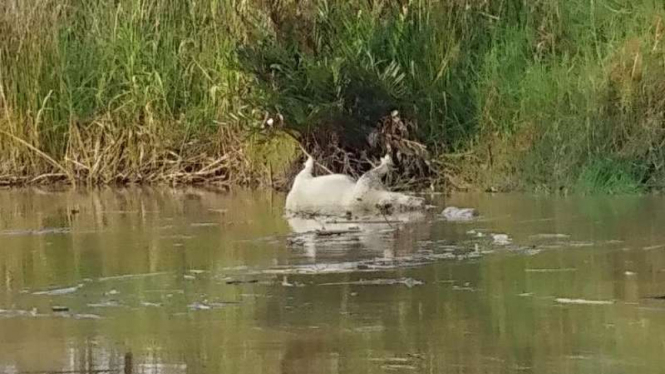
[338,193]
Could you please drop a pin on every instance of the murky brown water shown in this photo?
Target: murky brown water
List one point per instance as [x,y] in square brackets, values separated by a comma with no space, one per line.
[165,281]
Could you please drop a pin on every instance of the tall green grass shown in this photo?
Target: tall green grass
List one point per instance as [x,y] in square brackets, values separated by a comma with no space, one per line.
[529,95]
[594,108]
[361,60]
[508,94]
[125,90]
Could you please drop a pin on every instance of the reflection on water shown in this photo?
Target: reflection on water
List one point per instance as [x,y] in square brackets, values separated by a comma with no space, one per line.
[189,281]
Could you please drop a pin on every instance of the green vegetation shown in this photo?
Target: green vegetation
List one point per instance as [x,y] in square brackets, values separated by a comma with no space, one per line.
[127,90]
[543,95]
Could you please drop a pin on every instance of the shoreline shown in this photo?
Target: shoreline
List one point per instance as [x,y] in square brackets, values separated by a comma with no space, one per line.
[60,181]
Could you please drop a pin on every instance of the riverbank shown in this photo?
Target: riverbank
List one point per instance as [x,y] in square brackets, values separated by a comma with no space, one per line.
[543,96]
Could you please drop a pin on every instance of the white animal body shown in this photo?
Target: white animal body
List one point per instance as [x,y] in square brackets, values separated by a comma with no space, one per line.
[335,193]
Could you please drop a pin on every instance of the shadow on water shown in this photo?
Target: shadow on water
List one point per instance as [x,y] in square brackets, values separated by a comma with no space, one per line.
[193,281]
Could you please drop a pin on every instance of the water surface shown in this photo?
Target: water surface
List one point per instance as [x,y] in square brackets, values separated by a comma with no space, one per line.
[194,281]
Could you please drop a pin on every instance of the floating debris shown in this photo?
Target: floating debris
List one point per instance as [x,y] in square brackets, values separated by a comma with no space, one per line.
[130,276]
[501,239]
[9,313]
[464,288]
[59,291]
[366,329]
[548,219]
[220,304]
[393,360]
[550,236]
[549,270]
[365,221]
[105,304]
[286,283]
[203,224]
[409,282]
[373,265]
[163,291]
[85,316]
[149,304]
[529,251]
[579,244]
[199,306]
[584,301]
[396,367]
[37,232]
[153,367]
[350,230]
[205,305]
[476,232]
[60,312]
[240,281]
[452,213]
[344,267]
[399,363]
[181,237]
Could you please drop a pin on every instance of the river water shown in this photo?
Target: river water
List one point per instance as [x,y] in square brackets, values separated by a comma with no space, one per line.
[194,281]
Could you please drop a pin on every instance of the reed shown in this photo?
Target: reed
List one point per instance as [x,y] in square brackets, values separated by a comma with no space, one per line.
[123,91]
